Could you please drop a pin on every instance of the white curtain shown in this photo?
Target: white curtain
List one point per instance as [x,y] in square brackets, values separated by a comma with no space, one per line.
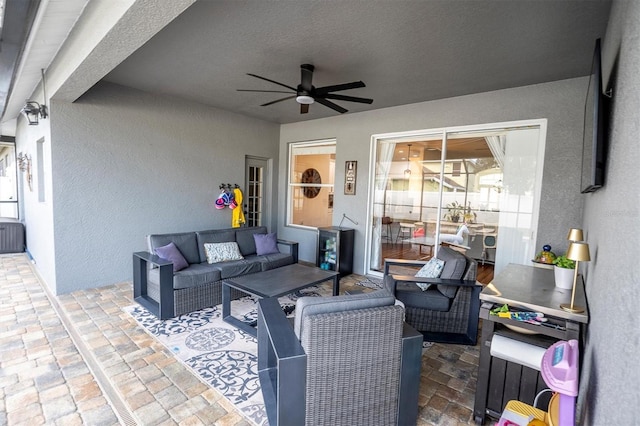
[497,146]
[383,167]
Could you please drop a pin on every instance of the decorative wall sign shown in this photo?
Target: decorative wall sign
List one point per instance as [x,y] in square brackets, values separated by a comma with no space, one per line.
[350,168]
[311,176]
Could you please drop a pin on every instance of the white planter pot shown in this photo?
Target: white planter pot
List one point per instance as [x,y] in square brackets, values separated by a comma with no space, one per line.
[564,277]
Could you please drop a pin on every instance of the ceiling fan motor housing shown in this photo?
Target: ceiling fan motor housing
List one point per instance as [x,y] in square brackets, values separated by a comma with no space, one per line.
[306,94]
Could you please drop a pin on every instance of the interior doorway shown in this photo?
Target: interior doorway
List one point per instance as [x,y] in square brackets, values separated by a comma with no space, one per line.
[474,186]
[257,192]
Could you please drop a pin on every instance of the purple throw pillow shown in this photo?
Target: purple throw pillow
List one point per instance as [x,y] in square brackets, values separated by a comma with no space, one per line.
[172,253]
[266,243]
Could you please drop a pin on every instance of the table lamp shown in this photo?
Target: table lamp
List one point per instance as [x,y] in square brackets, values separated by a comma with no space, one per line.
[579,252]
[575,234]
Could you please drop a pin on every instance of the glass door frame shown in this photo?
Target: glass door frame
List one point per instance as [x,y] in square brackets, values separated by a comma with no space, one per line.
[443,132]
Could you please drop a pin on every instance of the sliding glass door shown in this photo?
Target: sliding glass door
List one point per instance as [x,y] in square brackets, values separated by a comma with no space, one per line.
[477,187]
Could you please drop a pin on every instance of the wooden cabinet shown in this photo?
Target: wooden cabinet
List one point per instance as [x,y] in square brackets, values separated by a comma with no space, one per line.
[335,249]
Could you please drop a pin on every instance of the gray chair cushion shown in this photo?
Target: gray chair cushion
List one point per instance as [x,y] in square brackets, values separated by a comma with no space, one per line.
[213,236]
[185,241]
[320,305]
[195,275]
[455,264]
[234,268]
[246,242]
[432,299]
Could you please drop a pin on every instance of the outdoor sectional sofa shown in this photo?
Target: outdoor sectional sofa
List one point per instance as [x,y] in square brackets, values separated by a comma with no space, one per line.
[168,294]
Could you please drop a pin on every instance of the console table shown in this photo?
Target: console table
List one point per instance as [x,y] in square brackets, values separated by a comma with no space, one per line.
[532,289]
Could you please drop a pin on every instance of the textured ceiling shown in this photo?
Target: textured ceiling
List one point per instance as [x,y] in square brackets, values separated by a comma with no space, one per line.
[405,51]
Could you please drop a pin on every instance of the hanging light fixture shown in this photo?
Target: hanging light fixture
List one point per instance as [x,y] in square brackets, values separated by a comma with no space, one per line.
[32,110]
[407,171]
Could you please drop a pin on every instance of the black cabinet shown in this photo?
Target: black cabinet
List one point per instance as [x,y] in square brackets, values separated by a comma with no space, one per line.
[335,249]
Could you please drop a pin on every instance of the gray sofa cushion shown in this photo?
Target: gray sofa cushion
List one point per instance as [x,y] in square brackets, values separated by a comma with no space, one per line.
[213,236]
[306,306]
[272,261]
[234,268]
[455,264]
[245,240]
[195,275]
[185,241]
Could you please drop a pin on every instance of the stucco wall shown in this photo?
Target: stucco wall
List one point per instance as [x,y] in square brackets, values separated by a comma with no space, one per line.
[561,103]
[610,375]
[127,164]
[37,215]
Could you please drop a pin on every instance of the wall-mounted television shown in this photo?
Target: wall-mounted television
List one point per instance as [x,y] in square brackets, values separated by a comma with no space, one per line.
[594,139]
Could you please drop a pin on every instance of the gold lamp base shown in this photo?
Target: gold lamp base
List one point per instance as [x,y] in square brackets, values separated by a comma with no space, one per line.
[572,309]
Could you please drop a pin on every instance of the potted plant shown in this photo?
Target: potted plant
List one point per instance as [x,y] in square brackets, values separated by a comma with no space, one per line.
[454,210]
[563,272]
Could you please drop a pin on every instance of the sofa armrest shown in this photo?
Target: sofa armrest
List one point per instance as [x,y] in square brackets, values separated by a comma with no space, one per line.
[402,262]
[293,248]
[152,259]
[165,308]
[437,281]
[282,365]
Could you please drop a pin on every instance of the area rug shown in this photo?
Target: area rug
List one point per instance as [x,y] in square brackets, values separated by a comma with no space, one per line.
[222,356]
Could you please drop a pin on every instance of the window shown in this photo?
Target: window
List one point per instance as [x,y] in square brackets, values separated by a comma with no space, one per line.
[311,183]
[40,164]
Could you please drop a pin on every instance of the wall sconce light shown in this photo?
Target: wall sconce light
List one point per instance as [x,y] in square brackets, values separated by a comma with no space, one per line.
[24,164]
[33,111]
[407,171]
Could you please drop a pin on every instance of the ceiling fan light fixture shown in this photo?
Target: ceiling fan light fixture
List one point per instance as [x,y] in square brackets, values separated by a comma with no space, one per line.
[305,99]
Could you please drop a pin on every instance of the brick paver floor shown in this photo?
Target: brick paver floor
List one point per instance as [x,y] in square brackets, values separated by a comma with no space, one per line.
[115,373]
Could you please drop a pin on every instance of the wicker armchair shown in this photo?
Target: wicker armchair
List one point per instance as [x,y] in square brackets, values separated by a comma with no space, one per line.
[448,310]
[347,360]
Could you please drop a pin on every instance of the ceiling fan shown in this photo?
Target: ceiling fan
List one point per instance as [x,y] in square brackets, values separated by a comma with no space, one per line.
[306,94]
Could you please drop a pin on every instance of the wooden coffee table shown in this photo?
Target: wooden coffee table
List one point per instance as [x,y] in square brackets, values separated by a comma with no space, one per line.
[273,283]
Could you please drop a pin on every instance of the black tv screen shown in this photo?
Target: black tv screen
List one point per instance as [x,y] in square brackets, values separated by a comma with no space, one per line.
[594,135]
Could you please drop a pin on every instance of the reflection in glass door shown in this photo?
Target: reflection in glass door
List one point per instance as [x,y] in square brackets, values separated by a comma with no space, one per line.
[477,188]
[8,178]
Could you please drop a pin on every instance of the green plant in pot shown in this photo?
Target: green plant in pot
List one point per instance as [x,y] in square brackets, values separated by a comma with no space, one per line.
[454,210]
[563,272]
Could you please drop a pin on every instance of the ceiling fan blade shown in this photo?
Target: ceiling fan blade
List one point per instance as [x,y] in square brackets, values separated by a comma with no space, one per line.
[331,105]
[346,86]
[262,91]
[306,71]
[304,108]
[279,100]
[272,81]
[348,98]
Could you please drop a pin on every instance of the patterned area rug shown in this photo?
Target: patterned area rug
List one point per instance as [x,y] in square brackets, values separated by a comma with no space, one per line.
[222,356]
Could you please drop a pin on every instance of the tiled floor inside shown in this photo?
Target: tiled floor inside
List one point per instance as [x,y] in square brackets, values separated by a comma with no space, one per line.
[80,359]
